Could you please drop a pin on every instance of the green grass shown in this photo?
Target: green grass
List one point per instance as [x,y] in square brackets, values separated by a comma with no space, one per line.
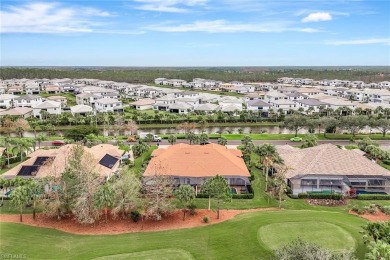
[236,238]
[139,162]
[325,234]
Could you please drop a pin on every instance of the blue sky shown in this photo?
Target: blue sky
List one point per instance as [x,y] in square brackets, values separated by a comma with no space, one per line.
[194,33]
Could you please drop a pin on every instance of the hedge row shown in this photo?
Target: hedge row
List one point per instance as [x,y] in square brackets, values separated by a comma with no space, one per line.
[235,196]
[334,196]
[373,197]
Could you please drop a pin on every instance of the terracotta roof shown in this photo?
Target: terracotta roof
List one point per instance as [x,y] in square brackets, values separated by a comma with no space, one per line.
[59,157]
[197,161]
[17,111]
[328,159]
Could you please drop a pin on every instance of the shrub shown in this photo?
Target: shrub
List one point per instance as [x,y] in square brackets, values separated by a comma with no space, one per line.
[373,197]
[371,209]
[192,209]
[135,215]
[386,210]
[355,209]
[206,219]
[333,196]
[243,196]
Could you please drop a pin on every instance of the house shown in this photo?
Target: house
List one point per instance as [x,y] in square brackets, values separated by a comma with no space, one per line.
[51,107]
[7,100]
[180,108]
[33,89]
[192,164]
[329,168]
[384,84]
[105,105]
[314,104]
[207,108]
[60,99]
[28,101]
[15,90]
[52,89]
[257,105]
[284,104]
[163,103]
[82,110]
[159,81]
[24,112]
[106,159]
[186,94]
[143,104]
[86,99]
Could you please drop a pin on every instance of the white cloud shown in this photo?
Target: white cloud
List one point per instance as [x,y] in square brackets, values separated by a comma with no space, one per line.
[49,18]
[169,6]
[223,26]
[385,41]
[317,17]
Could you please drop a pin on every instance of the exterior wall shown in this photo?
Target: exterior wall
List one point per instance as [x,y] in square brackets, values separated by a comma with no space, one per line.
[144,107]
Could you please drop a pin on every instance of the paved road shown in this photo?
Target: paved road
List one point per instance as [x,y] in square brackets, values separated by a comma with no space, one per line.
[385,144]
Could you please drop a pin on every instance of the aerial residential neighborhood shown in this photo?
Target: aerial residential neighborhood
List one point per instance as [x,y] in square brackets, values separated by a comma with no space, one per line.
[195,129]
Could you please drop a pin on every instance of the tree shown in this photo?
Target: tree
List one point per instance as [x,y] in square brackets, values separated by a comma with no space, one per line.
[295,123]
[185,194]
[172,139]
[365,142]
[268,155]
[104,198]
[247,149]
[309,140]
[149,138]
[329,124]
[279,182]
[158,191]
[353,123]
[36,190]
[218,189]
[20,196]
[40,138]
[139,149]
[202,124]
[222,141]
[131,126]
[126,194]
[187,127]
[382,125]
[78,133]
[86,183]
[203,138]
[191,137]
[20,126]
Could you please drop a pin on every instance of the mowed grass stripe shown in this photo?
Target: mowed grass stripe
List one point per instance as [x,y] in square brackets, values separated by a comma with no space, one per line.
[228,240]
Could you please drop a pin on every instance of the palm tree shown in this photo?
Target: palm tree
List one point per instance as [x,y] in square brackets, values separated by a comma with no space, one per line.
[104,198]
[23,145]
[268,155]
[20,197]
[40,138]
[35,190]
[7,143]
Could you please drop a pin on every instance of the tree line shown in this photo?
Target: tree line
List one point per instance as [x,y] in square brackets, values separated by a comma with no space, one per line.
[147,75]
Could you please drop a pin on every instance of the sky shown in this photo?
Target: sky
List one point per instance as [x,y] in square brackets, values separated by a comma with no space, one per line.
[194,33]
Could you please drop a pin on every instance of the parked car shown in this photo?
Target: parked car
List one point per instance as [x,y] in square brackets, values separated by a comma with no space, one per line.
[58,143]
[296,139]
[156,138]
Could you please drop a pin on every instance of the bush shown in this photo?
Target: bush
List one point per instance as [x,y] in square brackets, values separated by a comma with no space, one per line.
[333,196]
[386,210]
[243,196]
[192,209]
[206,219]
[234,196]
[372,209]
[373,197]
[135,215]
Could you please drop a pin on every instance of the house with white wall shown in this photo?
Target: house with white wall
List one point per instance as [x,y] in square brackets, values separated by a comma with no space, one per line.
[105,105]
[7,100]
[28,101]
[51,107]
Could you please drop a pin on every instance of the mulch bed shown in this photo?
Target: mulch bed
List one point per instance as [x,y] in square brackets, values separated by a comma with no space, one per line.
[119,225]
[378,216]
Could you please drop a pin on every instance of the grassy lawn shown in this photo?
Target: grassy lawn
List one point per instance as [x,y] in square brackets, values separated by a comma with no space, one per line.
[71,98]
[241,237]
[138,162]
